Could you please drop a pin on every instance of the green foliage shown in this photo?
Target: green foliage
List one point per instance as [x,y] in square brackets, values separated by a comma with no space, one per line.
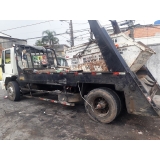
[39,43]
[48,38]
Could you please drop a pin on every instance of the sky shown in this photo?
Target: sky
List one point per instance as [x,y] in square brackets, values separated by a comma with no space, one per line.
[35,30]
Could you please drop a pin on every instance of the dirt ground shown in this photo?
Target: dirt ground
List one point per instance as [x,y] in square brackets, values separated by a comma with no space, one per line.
[32,119]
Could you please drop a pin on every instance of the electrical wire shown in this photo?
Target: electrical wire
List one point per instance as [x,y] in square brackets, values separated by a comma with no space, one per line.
[86,29]
[75,31]
[85,37]
[26,26]
[81,35]
[16,39]
[60,34]
[82,96]
[55,35]
[80,23]
[42,36]
[64,21]
[64,37]
[39,31]
[57,28]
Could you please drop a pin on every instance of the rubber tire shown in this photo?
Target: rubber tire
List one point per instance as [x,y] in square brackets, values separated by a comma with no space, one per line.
[117,99]
[111,98]
[16,89]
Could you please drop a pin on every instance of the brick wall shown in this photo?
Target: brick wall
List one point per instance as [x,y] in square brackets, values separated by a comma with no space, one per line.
[145,31]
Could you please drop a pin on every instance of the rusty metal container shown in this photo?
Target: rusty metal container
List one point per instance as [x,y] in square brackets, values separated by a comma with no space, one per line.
[88,57]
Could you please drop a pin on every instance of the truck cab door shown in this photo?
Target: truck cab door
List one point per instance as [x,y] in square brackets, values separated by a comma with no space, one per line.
[2,62]
[6,64]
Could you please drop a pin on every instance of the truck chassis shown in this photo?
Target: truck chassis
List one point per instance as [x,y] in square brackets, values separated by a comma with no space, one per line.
[104,93]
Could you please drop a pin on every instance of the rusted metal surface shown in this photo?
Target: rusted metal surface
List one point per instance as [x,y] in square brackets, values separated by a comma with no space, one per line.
[91,66]
[71,98]
[41,91]
[48,71]
[83,57]
[86,57]
[132,105]
[140,60]
[51,100]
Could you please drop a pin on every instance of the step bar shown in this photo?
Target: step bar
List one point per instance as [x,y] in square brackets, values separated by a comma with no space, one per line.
[51,100]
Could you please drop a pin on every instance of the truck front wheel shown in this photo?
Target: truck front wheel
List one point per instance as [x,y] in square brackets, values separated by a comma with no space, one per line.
[102,105]
[13,91]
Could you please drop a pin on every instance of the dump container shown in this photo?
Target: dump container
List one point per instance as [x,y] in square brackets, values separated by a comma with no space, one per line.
[88,57]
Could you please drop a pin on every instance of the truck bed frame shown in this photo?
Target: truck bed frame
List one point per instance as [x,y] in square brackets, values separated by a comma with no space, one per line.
[139,90]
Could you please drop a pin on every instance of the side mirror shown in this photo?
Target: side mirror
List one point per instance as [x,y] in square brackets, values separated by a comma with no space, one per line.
[1,65]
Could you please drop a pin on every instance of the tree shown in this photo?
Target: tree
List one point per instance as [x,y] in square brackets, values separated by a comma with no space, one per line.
[49,37]
[39,43]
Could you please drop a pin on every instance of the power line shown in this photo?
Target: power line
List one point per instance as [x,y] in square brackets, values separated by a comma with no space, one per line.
[57,28]
[26,26]
[82,30]
[42,36]
[86,29]
[76,31]
[81,35]
[60,34]
[64,21]
[80,23]
[64,37]
[39,31]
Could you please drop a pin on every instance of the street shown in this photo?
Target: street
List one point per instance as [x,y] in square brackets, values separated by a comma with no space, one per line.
[37,120]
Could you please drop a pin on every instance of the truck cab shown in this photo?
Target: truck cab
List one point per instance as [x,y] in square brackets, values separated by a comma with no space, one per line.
[8,65]
[14,63]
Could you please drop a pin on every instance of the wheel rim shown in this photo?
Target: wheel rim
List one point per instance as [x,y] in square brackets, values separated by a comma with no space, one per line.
[10,91]
[101,106]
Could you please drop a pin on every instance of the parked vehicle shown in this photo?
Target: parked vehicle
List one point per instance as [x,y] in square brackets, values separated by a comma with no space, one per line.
[34,72]
[62,61]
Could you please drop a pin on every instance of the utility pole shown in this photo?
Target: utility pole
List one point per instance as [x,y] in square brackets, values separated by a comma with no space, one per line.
[71,33]
[91,35]
[131,26]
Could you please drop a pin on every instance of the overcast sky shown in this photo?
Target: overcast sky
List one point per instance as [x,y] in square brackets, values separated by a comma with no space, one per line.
[57,26]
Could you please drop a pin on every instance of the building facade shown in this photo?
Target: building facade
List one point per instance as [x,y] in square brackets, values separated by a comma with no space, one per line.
[60,49]
[150,36]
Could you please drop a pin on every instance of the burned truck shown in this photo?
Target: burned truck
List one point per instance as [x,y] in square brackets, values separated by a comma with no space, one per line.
[34,72]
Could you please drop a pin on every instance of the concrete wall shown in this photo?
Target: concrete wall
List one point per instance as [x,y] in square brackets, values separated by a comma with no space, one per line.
[60,49]
[153,63]
[8,43]
[149,40]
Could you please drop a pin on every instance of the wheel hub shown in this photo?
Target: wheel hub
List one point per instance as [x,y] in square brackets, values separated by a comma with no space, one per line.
[10,91]
[101,105]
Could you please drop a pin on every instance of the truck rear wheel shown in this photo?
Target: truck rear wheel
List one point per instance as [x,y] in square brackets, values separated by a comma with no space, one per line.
[103,105]
[13,91]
